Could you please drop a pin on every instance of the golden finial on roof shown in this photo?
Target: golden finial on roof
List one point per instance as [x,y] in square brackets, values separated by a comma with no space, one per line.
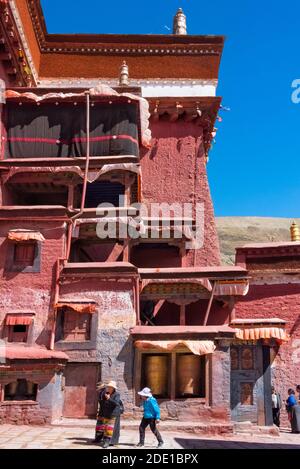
[179,23]
[124,75]
[295,231]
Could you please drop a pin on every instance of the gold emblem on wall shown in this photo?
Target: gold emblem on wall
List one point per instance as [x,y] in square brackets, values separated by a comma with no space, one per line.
[247,359]
[246,393]
[234,358]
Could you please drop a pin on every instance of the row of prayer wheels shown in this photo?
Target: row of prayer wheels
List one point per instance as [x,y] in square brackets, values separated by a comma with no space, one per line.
[20,387]
[188,374]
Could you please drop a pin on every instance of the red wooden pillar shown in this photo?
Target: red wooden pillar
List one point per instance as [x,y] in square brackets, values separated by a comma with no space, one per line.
[182,315]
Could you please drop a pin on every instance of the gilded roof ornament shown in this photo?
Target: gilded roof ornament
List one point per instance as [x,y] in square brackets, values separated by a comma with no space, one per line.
[295,231]
[124,75]
[179,23]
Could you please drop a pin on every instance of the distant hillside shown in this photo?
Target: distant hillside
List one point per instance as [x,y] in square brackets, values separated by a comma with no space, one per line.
[236,231]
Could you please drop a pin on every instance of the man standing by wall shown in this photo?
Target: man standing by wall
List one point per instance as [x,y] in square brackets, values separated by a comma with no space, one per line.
[276,406]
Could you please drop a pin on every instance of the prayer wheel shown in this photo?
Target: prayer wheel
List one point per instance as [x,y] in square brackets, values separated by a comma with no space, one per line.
[188,375]
[11,389]
[156,374]
[30,388]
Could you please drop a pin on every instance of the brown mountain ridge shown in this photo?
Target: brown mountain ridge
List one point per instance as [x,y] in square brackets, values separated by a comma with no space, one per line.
[237,231]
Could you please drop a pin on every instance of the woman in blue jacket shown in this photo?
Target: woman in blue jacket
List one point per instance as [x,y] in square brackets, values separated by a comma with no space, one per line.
[293,410]
[151,416]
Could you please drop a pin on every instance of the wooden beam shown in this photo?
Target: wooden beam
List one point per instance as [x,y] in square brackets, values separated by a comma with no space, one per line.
[70,196]
[182,315]
[126,251]
[115,253]
[172,376]
[231,309]
[183,255]
[155,112]
[139,188]
[127,193]
[147,320]
[209,304]
[158,307]
[155,312]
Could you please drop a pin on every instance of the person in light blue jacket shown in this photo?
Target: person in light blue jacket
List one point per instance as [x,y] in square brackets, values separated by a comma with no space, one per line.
[151,417]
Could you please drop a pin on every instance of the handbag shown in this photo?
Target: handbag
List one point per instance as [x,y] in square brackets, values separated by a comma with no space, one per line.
[121,407]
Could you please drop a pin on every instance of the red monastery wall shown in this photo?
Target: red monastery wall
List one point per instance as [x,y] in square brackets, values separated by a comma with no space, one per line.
[174,170]
[31,292]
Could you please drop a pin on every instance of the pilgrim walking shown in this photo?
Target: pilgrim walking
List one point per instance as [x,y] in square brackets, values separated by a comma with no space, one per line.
[109,414]
[151,417]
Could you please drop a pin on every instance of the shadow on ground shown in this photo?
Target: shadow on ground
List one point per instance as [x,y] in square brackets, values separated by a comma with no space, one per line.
[83,441]
[90,442]
[190,443]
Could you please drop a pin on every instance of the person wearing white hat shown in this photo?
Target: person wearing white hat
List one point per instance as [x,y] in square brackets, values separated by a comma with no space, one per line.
[108,419]
[151,417]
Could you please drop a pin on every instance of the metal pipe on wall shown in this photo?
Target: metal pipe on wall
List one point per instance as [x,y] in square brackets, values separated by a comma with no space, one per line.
[83,196]
[87,150]
[55,301]
[70,227]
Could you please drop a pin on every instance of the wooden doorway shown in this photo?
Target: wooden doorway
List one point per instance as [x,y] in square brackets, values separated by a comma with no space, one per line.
[247,383]
[80,390]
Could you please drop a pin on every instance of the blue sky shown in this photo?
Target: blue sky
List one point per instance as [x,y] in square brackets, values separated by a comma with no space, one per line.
[254,165]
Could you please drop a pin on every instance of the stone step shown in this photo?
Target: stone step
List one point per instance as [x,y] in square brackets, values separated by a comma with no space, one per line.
[199,428]
[252,429]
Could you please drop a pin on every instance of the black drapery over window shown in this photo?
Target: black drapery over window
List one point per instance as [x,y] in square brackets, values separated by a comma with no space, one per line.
[60,131]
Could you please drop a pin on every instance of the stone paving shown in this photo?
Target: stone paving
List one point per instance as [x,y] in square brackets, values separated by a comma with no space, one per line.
[25,437]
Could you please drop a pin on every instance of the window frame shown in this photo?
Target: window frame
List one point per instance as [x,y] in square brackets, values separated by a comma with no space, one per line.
[67,316]
[26,261]
[11,266]
[89,344]
[11,334]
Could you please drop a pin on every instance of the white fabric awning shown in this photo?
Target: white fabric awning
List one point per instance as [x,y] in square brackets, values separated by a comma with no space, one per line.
[197,347]
[255,329]
[231,287]
[256,333]
[20,235]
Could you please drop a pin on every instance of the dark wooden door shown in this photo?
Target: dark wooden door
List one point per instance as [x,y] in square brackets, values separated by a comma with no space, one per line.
[80,390]
[247,384]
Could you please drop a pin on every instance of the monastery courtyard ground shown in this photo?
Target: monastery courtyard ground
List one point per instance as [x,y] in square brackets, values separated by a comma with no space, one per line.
[59,437]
